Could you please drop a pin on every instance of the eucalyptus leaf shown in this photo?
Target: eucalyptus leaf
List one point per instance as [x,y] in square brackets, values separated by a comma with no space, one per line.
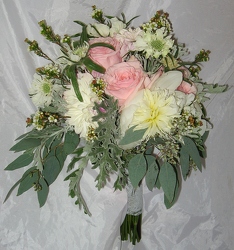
[29,178]
[205,136]
[158,184]
[184,162]
[12,189]
[169,204]
[61,155]
[51,169]
[137,169]
[192,150]
[168,179]
[71,142]
[152,172]
[43,193]
[26,143]
[23,160]
[132,135]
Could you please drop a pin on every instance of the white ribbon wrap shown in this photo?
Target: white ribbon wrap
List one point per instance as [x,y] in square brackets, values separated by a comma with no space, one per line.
[135,199]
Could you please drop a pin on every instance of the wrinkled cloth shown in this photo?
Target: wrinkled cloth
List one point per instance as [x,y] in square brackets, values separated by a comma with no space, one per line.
[202,218]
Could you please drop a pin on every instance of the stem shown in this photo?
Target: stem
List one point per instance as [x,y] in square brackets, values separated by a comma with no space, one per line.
[131,227]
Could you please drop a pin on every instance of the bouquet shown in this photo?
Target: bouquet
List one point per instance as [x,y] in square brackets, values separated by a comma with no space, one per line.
[121,99]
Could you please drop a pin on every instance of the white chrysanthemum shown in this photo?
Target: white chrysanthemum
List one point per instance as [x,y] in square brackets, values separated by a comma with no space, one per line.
[154,44]
[155,113]
[128,35]
[42,91]
[80,113]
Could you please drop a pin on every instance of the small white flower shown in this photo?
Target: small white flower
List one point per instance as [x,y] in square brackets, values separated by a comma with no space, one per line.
[98,29]
[116,26]
[42,91]
[80,113]
[154,44]
[52,119]
[74,54]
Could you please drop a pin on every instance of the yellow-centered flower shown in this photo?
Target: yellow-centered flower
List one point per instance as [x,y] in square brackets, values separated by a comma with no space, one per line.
[155,112]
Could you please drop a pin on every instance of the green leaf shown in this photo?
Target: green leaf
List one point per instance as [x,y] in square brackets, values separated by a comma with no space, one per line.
[137,168]
[158,184]
[132,135]
[71,165]
[152,172]
[91,65]
[23,160]
[51,169]
[79,151]
[29,178]
[107,45]
[168,179]
[169,204]
[12,188]
[83,35]
[61,155]
[184,162]
[80,23]
[71,142]
[192,150]
[43,193]
[129,22]
[26,143]
[71,73]
[205,136]
[215,88]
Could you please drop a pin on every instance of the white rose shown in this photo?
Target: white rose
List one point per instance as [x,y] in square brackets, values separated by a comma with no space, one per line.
[103,30]
[116,26]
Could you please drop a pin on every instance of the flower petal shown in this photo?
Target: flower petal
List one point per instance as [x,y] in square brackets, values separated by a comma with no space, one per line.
[170,80]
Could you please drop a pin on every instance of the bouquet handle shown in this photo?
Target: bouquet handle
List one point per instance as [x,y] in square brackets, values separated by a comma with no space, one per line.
[131,226]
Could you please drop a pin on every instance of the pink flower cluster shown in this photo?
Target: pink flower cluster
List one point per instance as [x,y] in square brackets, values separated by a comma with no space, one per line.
[125,78]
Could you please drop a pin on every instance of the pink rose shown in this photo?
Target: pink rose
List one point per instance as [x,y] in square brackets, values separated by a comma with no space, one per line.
[104,56]
[187,88]
[125,79]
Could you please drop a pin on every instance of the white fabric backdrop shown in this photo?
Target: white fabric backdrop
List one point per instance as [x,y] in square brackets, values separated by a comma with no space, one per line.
[203,217]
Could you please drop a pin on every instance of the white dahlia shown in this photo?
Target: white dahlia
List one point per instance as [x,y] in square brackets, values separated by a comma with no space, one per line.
[81,113]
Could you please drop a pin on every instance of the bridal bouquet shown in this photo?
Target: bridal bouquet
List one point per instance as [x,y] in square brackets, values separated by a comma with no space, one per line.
[121,99]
